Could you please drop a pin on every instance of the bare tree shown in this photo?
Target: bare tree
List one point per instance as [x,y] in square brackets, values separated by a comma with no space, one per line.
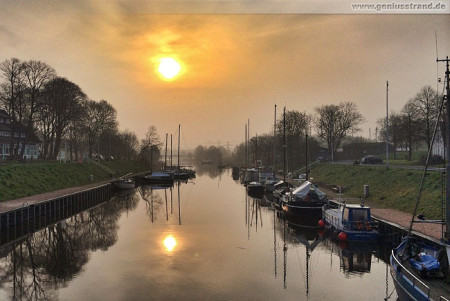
[36,74]
[97,117]
[424,110]
[334,122]
[12,93]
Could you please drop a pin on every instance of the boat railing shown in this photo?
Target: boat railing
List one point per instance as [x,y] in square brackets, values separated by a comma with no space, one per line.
[414,279]
[362,225]
[443,299]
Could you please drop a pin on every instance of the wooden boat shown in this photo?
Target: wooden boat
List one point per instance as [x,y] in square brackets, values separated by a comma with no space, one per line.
[420,268]
[351,222]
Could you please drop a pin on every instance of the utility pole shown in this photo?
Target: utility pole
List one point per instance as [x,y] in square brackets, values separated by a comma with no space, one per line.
[447,165]
[387,125]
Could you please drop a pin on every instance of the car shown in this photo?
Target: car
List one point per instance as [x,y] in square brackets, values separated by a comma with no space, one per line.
[371,159]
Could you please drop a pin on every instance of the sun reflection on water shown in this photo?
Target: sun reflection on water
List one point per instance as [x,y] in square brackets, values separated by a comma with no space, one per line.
[170,243]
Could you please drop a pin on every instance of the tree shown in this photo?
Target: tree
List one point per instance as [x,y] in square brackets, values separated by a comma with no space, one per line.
[36,75]
[334,122]
[424,109]
[12,94]
[61,107]
[150,148]
[397,130]
[97,117]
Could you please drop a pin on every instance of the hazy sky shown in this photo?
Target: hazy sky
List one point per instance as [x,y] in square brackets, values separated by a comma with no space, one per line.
[234,66]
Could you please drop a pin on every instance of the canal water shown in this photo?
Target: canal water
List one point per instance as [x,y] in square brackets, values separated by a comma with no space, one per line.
[200,240]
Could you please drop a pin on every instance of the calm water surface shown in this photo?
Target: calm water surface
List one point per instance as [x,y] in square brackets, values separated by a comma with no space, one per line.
[201,240]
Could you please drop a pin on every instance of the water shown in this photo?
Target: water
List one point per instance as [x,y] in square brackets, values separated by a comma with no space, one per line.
[222,245]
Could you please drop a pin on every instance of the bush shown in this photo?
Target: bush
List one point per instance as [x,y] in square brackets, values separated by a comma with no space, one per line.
[434,159]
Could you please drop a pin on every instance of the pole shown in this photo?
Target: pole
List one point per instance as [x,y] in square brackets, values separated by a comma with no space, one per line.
[179,130]
[165,154]
[387,124]
[171,167]
[306,157]
[246,147]
[447,165]
[284,144]
[274,136]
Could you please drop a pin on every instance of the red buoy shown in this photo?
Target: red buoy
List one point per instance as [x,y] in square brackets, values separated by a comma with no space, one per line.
[342,236]
[321,223]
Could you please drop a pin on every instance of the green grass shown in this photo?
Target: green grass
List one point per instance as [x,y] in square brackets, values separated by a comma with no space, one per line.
[20,180]
[389,188]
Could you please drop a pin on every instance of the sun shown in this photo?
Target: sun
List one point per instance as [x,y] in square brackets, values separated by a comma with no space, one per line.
[169,68]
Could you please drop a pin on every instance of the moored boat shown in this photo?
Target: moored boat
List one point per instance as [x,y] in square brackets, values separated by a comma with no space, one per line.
[305,200]
[352,222]
[124,183]
[420,267]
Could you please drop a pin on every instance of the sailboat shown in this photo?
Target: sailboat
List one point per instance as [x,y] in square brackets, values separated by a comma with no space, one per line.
[420,268]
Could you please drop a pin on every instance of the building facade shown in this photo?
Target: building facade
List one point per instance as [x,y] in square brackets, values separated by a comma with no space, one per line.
[6,136]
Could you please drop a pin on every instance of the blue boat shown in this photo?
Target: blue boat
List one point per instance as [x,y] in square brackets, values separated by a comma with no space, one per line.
[350,222]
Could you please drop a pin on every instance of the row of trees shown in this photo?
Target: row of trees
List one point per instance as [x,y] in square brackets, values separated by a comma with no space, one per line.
[414,124]
[58,112]
[335,124]
[332,124]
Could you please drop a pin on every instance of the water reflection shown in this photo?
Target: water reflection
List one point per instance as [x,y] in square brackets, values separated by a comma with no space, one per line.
[34,268]
[170,243]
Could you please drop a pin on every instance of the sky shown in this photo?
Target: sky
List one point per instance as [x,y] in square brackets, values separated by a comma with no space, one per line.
[238,59]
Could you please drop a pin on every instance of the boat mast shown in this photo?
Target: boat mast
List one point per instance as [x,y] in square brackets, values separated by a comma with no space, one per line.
[165,155]
[274,136]
[447,165]
[284,144]
[179,130]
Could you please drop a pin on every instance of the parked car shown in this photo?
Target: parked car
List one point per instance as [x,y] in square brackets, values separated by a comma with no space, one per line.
[371,159]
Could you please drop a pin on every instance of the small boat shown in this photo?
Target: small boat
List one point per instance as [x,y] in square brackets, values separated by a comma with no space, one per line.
[305,200]
[352,222]
[255,189]
[124,183]
[156,177]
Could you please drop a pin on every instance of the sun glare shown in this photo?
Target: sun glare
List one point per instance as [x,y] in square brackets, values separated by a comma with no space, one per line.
[169,68]
[170,243]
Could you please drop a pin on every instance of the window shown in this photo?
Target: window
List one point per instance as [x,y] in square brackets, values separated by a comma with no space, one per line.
[360,215]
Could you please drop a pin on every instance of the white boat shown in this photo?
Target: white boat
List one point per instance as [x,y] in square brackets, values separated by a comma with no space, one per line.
[124,183]
[420,267]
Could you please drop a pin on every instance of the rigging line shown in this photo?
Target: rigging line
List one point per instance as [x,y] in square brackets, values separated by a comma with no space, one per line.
[425,169]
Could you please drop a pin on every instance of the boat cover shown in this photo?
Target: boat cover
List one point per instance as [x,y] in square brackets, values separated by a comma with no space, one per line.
[304,189]
[425,262]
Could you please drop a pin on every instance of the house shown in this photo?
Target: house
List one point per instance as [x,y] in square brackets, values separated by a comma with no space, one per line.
[6,132]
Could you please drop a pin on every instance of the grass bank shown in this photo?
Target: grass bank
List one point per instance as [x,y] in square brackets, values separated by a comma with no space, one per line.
[389,188]
[20,180]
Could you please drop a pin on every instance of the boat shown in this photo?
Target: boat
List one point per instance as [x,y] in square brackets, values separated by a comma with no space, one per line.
[420,267]
[305,200]
[124,184]
[158,177]
[255,189]
[351,222]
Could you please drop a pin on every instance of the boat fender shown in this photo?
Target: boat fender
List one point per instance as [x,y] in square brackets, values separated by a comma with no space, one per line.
[342,236]
[359,224]
[321,223]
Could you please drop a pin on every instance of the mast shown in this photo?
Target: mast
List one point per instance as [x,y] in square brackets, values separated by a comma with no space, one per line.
[306,156]
[179,130]
[165,154]
[274,136]
[171,167]
[447,165]
[284,144]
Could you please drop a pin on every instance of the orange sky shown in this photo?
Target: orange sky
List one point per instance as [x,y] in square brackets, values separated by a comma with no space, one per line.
[235,66]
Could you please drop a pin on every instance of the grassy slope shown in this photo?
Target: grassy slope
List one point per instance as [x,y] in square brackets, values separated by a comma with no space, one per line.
[392,188]
[19,180]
